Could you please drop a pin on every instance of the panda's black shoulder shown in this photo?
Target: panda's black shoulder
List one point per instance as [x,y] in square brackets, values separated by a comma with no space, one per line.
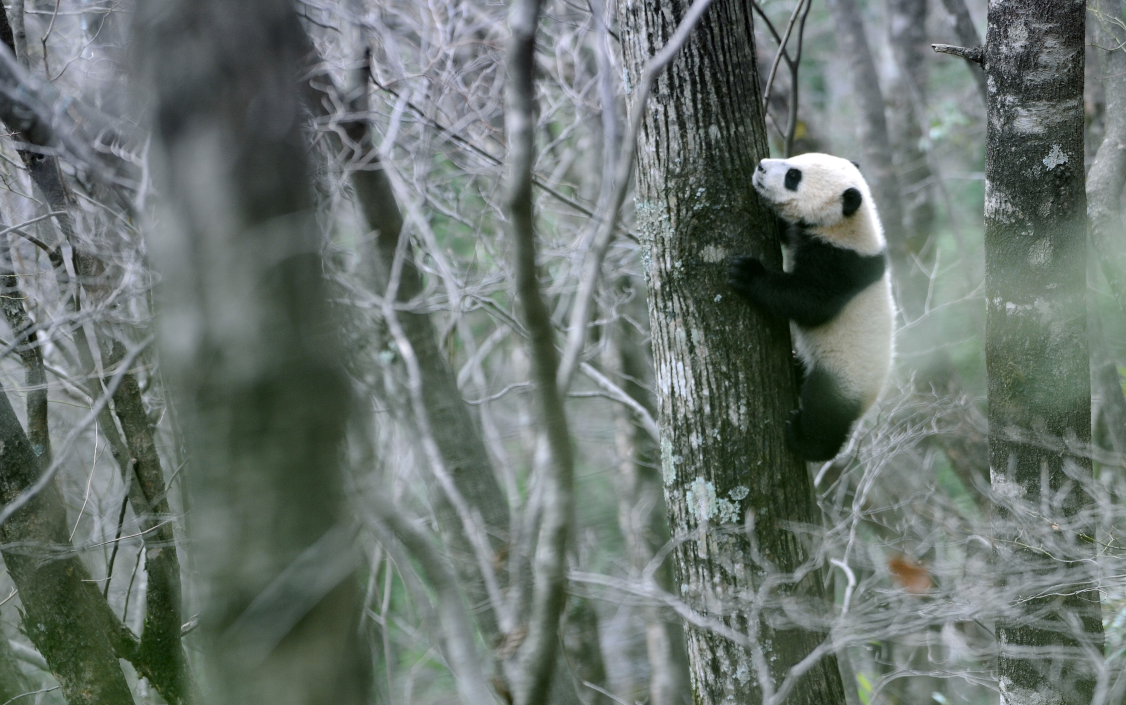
[832,266]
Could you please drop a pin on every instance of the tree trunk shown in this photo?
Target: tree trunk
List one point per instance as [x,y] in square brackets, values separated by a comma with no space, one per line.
[1036,337]
[249,342]
[724,378]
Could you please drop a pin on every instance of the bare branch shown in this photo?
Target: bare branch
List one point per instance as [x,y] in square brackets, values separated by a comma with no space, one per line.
[974,55]
[461,648]
[967,34]
[535,658]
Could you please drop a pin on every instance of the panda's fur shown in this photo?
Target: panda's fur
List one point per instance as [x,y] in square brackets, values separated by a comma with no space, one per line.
[835,289]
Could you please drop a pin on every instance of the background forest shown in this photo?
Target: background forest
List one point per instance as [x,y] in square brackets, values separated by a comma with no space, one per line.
[292,416]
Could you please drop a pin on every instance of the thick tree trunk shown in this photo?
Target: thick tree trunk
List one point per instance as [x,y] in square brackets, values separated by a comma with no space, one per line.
[1036,337]
[251,346]
[724,378]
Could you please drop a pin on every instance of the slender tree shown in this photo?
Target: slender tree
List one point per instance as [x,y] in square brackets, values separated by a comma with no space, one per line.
[906,23]
[1036,336]
[871,122]
[723,373]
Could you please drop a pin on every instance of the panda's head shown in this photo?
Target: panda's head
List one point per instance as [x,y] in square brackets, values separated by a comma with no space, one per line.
[818,190]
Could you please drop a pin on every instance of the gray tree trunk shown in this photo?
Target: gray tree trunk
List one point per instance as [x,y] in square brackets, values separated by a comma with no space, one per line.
[724,378]
[1036,337]
[250,344]
[1108,171]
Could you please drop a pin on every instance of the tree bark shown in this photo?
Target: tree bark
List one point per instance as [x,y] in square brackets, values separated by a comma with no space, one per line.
[1036,337]
[724,378]
[534,664]
[250,344]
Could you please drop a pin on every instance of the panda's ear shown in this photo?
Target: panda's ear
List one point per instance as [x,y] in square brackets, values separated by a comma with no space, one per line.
[855,164]
[851,200]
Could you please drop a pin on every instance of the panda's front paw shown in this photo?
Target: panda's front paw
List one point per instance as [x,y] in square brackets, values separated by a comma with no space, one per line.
[743,272]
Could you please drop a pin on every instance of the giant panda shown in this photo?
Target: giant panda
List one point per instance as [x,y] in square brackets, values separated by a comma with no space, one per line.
[835,289]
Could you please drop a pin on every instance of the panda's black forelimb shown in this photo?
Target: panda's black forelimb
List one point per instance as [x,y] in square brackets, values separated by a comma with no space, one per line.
[785,295]
[822,281]
[821,425]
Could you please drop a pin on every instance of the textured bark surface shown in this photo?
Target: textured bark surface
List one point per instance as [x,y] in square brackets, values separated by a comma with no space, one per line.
[532,668]
[724,378]
[248,338]
[160,647]
[1036,336]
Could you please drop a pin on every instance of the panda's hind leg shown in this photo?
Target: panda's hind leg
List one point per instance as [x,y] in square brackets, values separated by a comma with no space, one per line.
[819,428]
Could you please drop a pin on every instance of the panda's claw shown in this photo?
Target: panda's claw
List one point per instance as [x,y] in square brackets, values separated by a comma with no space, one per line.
[743,271]
[793,430]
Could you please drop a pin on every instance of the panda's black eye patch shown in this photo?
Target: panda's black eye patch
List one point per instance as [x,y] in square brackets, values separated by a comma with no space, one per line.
[793,178]
[851,200]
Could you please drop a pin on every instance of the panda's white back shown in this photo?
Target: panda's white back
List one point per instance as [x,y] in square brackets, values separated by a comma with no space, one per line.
[858,345]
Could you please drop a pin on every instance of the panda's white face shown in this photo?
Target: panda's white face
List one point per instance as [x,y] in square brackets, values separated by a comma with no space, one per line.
[815,189]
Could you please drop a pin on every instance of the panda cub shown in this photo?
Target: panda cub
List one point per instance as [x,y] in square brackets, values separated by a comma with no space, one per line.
[835,289]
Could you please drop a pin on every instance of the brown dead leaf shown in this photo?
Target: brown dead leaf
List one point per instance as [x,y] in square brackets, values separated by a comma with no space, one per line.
[910,574]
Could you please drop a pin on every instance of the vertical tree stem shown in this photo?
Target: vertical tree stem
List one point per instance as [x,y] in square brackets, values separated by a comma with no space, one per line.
[1036,335]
